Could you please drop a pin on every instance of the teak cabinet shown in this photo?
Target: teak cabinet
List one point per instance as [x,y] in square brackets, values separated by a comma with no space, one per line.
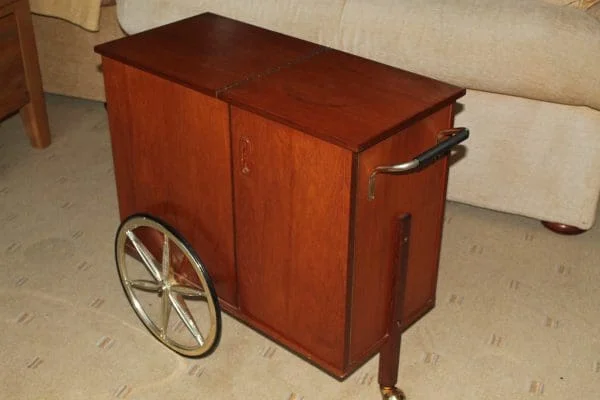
[258,148]
[20,79]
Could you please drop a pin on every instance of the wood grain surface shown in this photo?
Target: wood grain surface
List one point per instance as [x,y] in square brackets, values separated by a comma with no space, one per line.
[344,99]
[420,194]
[208,53]
[172,160]
[292,205]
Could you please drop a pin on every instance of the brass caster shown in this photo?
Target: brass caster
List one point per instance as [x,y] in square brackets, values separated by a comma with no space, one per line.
[392,393]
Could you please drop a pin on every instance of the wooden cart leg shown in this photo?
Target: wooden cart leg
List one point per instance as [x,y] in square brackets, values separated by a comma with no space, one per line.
[389,356]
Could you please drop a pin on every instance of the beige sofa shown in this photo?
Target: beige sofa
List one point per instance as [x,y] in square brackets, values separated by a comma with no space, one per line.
[67,60]
[532,70]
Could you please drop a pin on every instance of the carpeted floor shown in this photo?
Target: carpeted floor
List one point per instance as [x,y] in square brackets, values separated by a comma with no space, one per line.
[517,316]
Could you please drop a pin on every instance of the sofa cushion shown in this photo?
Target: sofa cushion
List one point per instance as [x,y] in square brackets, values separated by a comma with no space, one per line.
[529,49]
[313,20]
[522,48]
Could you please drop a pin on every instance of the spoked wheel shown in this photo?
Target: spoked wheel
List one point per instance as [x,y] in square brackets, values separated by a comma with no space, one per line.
[167,285]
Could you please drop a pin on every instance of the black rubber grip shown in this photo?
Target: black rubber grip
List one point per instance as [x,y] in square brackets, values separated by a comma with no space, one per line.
[442,148]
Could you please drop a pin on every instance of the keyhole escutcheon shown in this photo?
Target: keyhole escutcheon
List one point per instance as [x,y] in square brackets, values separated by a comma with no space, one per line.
[245,151]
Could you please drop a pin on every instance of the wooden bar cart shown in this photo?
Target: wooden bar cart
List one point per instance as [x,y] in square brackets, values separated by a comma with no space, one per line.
[309,185]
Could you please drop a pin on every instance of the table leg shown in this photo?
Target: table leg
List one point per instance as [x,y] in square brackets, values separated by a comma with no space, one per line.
[389,356]
[33,114]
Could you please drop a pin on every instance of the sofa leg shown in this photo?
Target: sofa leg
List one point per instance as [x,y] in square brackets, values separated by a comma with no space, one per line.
[562,228]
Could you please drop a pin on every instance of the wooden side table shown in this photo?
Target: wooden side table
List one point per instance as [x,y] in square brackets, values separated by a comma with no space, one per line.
[20,79]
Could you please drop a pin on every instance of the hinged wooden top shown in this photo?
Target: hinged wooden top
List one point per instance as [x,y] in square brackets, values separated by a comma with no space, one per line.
[344,99]
[208,53]
[341,98]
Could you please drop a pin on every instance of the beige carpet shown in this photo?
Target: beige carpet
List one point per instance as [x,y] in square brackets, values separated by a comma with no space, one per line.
[517,317]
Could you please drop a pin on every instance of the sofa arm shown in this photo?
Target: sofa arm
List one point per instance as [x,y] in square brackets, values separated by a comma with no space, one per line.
[528,49]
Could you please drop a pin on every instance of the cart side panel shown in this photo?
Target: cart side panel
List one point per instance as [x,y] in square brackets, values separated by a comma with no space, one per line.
[171,151]
[421,194]
[292,211]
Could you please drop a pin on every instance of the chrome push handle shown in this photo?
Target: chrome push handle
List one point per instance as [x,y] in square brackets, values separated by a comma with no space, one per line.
[454,135]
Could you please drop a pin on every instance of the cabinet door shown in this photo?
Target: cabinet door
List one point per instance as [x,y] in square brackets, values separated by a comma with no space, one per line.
[292,213]
[172,159]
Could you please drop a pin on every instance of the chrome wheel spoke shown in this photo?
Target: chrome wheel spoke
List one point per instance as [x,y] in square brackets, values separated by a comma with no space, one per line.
[166,260]
[188,292]
[186,318]
[148,259]
[145,285]
[165,314]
